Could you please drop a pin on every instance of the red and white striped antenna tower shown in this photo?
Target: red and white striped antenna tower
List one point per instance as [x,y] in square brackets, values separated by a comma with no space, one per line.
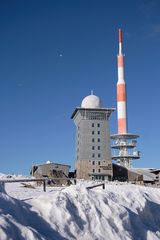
[124,143]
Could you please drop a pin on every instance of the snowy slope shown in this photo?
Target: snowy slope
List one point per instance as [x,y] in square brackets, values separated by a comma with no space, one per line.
[119,212]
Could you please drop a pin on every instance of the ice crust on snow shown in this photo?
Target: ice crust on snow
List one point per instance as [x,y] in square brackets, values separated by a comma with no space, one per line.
[120,212]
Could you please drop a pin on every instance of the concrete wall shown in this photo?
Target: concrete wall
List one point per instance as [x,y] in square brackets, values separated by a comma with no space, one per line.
[46,169]
[92,144]
[88,171]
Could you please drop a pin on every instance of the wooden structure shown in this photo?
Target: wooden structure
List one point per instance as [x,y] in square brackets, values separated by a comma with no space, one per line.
[42,180]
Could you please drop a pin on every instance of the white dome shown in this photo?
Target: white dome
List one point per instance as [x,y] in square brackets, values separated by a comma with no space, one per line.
[91,101]
[48,162]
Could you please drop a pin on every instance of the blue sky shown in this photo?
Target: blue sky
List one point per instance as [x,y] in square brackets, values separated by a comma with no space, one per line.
[52,53]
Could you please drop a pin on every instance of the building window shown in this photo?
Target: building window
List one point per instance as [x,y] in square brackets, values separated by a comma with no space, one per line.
[92,124]
[99,170]
[98,124]
[99,155]
[93,162]
[98,139]
[98,132]
[93,155]
[92,139]
[99,147]
[99,162]
[92,147]
[95,116]
[92,132]
[93,170]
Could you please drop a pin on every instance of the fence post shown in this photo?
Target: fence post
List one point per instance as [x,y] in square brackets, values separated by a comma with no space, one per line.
[44,185]
[103,186]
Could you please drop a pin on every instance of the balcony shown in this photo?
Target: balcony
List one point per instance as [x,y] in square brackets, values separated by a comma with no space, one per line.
[134,155]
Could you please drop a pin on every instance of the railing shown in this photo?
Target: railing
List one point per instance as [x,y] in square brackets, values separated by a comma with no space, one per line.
[44,180]
[132,156]
[123,145]
[98,185]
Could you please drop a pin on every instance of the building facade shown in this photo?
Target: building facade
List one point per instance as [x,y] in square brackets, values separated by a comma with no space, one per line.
[93,150]
[50,170]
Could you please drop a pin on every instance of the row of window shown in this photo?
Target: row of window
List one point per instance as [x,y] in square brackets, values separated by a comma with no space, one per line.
[93,125]
[98,178]
[94,170]
[98,140]
[93,147]
[93,132]
[93,115]
[93,155]
[98,125]
[98,132]
[93,162]
[93,140]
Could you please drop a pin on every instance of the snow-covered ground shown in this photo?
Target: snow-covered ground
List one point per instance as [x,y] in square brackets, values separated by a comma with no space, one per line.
[120,212]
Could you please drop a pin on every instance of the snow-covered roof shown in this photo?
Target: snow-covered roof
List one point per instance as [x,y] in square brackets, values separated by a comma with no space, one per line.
[147,176]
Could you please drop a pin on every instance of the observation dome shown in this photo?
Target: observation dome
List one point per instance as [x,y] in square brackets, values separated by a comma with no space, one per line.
[91,101]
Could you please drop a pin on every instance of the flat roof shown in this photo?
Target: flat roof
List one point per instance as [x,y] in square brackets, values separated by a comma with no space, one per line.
[146,174]
[51,163]
[129,156]
[93,109]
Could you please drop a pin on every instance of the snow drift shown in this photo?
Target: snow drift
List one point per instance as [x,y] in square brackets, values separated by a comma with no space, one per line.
[119,212]
[18,221]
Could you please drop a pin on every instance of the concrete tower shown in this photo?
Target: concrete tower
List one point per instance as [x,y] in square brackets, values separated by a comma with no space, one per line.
[124,143]
[93,150]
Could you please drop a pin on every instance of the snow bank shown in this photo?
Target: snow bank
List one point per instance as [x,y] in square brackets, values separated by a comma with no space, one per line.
[120,212]
[19,222]
[2,175]
[11,176]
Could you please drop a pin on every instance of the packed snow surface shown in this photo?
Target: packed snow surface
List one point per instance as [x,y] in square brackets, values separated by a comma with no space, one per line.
[118,212]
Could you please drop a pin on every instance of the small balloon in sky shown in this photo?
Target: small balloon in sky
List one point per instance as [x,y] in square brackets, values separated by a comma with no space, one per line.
[60,55]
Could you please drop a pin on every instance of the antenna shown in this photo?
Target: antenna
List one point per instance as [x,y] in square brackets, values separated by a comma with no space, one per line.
[91,92]
[120,41]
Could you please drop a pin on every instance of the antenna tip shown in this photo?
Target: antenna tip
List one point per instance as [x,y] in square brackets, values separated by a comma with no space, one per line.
[120,34]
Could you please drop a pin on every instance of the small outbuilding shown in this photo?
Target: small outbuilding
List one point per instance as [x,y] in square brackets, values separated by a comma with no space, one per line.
[51,170]
[144,176]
